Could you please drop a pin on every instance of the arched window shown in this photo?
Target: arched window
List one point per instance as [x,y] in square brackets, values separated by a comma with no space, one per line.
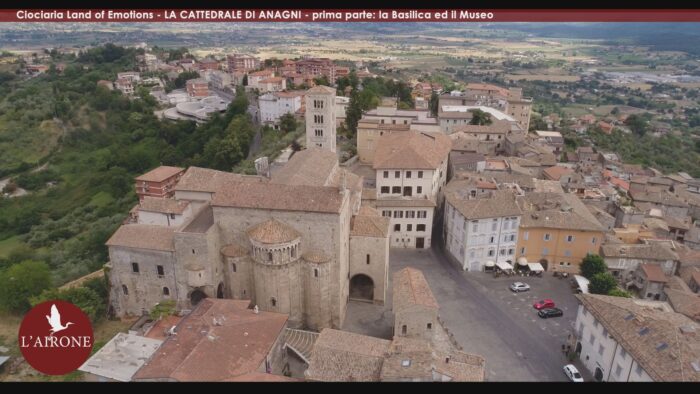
[125,290]
[166,291]
[294,251]
[233,267]
[269,256]
[315,272]
[273,301]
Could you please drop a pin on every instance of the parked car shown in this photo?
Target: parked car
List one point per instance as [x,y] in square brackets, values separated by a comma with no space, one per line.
[519,286]
[546,303]
[572,373]
[550,312]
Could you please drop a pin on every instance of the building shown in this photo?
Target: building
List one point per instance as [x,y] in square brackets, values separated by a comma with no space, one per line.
[388,113]
[368,133]
[198,88]
[369,256]
[509,101]
[242,63]
[208,64]
[254,78]
[415,308]
[108,364]
[284,242]
[221,340]
[274,84]
[623,260]
[624,340]
[220,80]
[162,211]
[125,86]
[273,105]
[198,110]
[667,202]
[420,350]
[452,117]
[321,118]
[131,76]
[316,67]
[551,138]
[158,182]
[411,169]
[649,280]
[557,231]
[479,230]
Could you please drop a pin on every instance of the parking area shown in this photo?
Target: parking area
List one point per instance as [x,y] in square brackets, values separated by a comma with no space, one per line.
[485,317]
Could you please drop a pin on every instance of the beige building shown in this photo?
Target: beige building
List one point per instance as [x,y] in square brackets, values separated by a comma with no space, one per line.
[557,231]
[411,170]
[509,101]
[285,243]
[321,118]
[368,133]
[415,307]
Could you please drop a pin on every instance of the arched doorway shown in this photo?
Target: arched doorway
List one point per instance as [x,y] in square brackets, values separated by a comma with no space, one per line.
[578,348]
[598,375]
[362,287]
[544,264]
[197,296]
[220,291]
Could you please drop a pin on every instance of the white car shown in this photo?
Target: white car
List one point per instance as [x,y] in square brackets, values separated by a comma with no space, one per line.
[519,286]
[572,373]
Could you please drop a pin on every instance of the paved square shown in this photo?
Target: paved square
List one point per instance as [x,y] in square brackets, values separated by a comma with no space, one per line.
[485,317]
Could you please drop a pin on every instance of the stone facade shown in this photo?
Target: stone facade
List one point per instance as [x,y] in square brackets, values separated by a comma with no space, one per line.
[287,247]
[321,118]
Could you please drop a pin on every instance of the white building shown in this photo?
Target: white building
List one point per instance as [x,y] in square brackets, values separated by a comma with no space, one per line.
[320,117]
[219,79]
[417,119]
[624,340]
[163,211]
[273,105]
[132,76]
[623,259]
[451,116]
[411,169]
[341,108]
[480,229]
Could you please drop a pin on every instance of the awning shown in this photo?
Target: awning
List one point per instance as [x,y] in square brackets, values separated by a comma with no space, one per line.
[522,261]
[490,263]
[536,267]
[504,266]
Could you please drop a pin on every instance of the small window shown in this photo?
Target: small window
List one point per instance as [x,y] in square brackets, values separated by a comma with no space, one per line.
[492,239]
[420,227]
[384,190]
[593,240]
[623,353]
[569,238]
[125,290]
[166,291]
[419,189]
[396,190]
[547,237]
[408,174]
[135,268]
[172,216]
[430,326]
[160,270]
[404,329]
[422,214]
[522,250]
[639,370]
[397,174]
[315,272]
[273,301]
[193,251]
[491,252]
[409,227]
[269,256]
[545,251]
[397,227]
[233,267]
[601,350]
[420,174]
[386,174]
[368,257]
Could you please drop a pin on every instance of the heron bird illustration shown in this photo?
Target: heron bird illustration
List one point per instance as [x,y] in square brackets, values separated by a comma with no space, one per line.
[55,320]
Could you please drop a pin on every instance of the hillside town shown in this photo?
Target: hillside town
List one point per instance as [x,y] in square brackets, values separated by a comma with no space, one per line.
[457,239]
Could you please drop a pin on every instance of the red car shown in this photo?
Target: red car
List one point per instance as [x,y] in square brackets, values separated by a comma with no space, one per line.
[543,304]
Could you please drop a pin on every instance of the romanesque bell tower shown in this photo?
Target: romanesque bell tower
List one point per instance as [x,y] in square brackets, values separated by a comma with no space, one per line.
[320,118]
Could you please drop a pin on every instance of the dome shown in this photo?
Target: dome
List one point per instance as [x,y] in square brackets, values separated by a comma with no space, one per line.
[315,256]
[522,261]
[273,232]
[234,250]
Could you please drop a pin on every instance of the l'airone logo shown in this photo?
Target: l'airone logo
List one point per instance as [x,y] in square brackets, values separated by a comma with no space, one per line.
[56,337]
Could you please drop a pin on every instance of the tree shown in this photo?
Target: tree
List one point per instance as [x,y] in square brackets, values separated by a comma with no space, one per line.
[592,265]
[84,298]
[353,113]
[433,104]
[22,281]
[322,80]
[480,118]
[637,124]
[602,283]
[288,123]
[617,292]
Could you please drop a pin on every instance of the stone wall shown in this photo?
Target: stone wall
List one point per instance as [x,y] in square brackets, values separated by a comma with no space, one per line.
[420,322]
[378,266]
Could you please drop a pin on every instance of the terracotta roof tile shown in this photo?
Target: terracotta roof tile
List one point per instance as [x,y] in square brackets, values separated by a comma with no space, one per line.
[163,205]
[208,180]
[160,174]
[273,232]
[412,150]
[234,250]
[279,197]
[654,273]
[143,236]
[312,166]
[411,288]
[340,356]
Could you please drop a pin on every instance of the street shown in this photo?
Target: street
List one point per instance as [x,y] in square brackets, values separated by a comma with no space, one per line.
[485,317]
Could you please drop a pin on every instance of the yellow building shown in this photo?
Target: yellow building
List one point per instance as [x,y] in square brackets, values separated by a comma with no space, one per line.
[557,231]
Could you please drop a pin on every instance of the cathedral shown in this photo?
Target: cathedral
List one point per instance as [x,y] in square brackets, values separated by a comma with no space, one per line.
[298,242]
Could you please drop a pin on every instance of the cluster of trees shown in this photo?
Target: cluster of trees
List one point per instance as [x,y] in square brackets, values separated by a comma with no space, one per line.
[106,140]
[369,97]
[601,281]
